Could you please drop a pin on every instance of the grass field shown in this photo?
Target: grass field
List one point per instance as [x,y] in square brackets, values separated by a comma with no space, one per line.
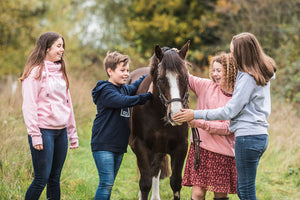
[277,179]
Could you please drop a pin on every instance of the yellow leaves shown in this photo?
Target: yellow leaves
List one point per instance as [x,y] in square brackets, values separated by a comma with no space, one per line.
[143,5]
[210,57]
[197,39]
[164,22]
[199,55]
[224,6]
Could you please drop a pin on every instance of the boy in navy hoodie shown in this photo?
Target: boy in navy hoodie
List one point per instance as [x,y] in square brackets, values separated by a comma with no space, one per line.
[110,132]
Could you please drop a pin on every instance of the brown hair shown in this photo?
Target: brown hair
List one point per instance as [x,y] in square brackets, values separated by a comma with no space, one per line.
[113,59]
[251,59]
[229,71]
[38,55]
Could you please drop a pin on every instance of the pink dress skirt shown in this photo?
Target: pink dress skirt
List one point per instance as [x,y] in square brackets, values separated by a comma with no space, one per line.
[216,173]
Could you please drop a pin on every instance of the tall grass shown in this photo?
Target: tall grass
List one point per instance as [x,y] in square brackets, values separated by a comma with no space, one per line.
[278,172]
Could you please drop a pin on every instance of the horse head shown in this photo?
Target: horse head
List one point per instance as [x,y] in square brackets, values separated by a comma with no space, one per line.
[170,79]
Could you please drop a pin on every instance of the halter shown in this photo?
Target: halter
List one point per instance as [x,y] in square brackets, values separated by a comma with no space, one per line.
[166,102]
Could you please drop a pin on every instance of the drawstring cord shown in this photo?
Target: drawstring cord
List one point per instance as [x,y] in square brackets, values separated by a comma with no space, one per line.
[48,87]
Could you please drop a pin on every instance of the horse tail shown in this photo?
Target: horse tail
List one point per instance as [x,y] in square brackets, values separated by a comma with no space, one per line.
[165,167]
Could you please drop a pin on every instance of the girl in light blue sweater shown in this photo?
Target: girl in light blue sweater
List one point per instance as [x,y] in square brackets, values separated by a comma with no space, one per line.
[247,111]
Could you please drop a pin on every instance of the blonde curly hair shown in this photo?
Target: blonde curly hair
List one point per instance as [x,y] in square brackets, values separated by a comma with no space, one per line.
[229,71]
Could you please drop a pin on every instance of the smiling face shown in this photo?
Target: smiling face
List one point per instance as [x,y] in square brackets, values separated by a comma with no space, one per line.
[55,52]
[120,75]
[217,73]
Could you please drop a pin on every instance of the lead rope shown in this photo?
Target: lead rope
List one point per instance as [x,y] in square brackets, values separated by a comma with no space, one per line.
[196,142]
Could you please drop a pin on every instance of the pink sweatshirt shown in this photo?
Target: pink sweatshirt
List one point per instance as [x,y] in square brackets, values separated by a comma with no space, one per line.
[47,103]
[215,135]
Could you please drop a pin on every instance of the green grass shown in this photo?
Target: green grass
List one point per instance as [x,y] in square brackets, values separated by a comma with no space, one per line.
[277,179]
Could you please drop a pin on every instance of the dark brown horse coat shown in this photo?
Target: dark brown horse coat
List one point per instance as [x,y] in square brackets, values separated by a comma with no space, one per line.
[153,132]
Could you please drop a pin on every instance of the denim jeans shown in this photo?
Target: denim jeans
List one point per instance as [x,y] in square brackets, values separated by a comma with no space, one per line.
[248,151]
[48,164]
[108,164]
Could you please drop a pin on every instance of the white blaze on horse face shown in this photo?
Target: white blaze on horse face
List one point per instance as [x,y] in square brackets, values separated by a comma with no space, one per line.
[175,106]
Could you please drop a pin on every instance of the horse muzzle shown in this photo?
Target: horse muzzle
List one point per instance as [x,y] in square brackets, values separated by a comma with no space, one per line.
[171,121]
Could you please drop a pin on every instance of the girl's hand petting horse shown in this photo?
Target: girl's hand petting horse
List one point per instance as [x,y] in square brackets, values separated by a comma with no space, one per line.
[186,115]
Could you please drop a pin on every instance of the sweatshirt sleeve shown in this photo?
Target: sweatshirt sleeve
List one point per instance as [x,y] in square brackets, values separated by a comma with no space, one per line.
[30,87]
[196,84]
[244,87]
[110,98]
[214,127]
[132,88]
[71,127]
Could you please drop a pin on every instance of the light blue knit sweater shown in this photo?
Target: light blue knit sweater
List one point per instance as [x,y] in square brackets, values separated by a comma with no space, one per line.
[248,109]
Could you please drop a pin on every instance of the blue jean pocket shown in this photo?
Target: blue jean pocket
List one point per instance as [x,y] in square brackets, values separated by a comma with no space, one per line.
[258,143]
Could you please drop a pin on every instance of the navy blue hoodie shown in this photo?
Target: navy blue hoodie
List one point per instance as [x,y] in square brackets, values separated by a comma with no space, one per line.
[111,130]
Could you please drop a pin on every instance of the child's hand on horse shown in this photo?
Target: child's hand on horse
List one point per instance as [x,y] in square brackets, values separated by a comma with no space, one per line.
[185,115]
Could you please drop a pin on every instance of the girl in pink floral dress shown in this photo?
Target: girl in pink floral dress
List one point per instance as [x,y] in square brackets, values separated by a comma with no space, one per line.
[217,171]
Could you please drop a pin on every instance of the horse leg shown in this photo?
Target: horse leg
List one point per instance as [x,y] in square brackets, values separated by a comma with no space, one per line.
[155,187]
[143,160]
[177,161]
[155,172]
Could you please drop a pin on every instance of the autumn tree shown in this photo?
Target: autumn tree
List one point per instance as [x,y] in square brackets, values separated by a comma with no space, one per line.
[19,23]
[171,23]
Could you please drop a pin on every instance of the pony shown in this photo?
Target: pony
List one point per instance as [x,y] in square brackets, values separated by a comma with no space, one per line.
[154,135]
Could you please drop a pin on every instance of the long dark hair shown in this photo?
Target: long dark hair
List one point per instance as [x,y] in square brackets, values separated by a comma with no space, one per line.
[250,58]
[38,55]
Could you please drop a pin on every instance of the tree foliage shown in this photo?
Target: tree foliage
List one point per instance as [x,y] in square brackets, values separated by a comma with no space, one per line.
[276,25]
[93,27]
[19,23]
[102,23]
[171,23]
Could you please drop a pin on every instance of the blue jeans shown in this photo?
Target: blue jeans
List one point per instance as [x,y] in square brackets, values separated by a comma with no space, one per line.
[108,165]
[48,164]
[248,151]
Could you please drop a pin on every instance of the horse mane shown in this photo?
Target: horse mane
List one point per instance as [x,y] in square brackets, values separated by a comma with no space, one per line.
[153,65]
[171,61]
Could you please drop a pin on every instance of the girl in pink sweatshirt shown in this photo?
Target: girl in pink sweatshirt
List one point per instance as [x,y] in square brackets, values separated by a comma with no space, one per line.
[48,114]
[217,170]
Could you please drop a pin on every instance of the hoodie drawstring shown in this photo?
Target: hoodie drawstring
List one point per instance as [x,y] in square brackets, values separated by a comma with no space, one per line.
[47,87]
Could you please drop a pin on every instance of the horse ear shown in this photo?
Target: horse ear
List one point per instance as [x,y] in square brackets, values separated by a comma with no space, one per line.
[158,53]
[183,51]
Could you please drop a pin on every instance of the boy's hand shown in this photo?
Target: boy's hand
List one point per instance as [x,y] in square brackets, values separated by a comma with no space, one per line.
[151,88]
